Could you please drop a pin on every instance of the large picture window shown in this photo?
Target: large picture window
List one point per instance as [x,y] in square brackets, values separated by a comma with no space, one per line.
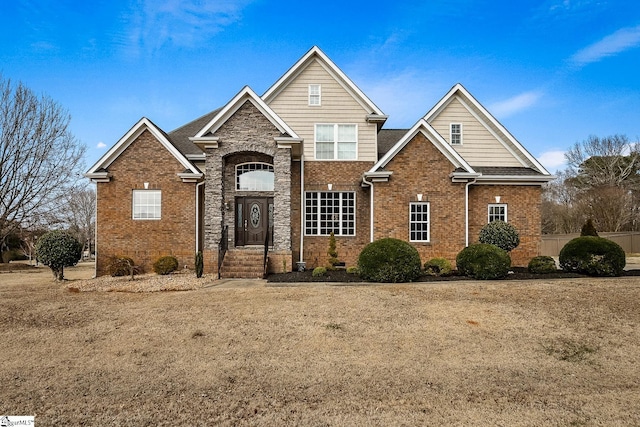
[336,142]
[419,222]
[497,212]
[327,211]
[254,177]
[147,204]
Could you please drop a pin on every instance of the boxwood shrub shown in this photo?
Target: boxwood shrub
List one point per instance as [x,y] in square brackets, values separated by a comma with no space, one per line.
[542,265]
[438,267]
[483,261]
[120,265]
[165,265]
[389,260]
[593,256]
[500,233]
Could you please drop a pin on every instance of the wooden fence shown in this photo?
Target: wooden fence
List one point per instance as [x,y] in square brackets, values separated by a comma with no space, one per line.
[628,240]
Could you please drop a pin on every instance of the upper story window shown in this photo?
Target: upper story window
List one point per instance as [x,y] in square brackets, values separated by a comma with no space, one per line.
[327,211]
[147,204]
[336,142]
[315,98]
[455,133]
[254,177]
[419,222]
[497,212]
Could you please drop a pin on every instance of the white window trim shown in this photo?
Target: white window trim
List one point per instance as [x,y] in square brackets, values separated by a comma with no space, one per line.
[428,221]
[335,142]
[355,214]
[451,133]
[252,163]
[133,204]
[506,216]
[319,104]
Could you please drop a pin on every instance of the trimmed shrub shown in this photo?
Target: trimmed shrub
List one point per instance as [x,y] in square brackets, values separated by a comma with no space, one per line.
[121,266]
[542,265]
[483,261]
[199,264]
[389,260]
[57,250]
[332,253]
[437,267]
[501,234]
[165,265]
[588,229]
[319,271]
[593,256]
[353,270]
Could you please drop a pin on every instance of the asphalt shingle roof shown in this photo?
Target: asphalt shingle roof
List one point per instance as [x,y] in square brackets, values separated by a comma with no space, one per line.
[387,138]
[180,137]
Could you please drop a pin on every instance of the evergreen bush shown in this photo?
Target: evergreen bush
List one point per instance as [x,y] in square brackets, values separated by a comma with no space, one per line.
[501,234]
[389,260]
[542,265]
[438,267]
[121,266]
[332,252]
[199,264]
[165,265]
[483,261]
[593,256]
[319,271]
[57,250]
[588,229]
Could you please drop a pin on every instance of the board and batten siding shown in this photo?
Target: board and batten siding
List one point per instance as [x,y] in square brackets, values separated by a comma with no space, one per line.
[479,147]
[337,106]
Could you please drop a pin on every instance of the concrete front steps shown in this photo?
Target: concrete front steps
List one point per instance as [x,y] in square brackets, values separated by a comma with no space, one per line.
[245,263]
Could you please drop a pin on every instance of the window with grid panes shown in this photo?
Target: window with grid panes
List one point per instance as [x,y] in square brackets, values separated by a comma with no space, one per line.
[327,211]
[336,141]
[419,222]
[497,212]
[147,204]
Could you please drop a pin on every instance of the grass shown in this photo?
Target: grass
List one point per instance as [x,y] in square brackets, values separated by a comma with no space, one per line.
[560,352]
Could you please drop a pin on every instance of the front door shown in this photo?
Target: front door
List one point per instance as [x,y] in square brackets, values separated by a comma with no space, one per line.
[254,219]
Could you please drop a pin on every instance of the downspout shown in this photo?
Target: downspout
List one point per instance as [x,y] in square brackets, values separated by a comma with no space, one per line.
[95,238]
[301,208]
[370,184]
[198,215]
[466,211]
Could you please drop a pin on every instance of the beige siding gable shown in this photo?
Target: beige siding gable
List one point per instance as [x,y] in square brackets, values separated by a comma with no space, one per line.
[338,105]
[482,143]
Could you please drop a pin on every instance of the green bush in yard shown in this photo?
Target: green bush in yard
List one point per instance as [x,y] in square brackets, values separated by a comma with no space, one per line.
[437,267]
[483,261]
[542,265]
[389,260]
[319,271]
[500,233]
[593,256]
[165,265]
[57,250]
[588,229]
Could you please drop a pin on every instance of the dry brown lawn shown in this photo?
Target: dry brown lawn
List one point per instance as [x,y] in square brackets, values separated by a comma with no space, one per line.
[557,352]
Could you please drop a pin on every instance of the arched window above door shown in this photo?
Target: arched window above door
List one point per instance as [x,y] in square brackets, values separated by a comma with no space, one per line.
[255,176]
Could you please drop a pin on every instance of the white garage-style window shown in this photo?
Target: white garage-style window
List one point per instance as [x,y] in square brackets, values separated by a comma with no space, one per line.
[419,222]
[147,204]
[254,177]
[327,211]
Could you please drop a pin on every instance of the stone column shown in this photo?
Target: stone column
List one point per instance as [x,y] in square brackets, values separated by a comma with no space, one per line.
[282,200]
[213,199]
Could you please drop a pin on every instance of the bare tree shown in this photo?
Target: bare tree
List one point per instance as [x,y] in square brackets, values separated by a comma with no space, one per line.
[40,160]
[79,215]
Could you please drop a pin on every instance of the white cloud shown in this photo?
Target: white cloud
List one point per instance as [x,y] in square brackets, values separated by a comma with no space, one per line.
[101,145]
[621,40]
[553,160]
[515,104]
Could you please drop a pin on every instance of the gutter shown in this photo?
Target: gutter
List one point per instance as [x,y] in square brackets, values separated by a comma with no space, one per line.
[301,257]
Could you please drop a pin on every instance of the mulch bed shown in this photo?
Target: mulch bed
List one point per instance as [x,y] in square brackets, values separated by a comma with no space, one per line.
[519,273]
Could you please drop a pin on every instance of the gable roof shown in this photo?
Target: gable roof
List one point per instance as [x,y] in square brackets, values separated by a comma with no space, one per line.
[315,54]
[98,170]
[491,124]
[422,126]
[223,114]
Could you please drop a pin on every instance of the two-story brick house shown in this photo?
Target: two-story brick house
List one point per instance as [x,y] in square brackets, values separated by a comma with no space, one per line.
[307,158]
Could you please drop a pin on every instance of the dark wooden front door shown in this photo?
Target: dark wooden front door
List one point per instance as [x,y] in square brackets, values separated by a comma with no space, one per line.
[254,219]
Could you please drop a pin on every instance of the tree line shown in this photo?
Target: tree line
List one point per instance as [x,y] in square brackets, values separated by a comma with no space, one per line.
[601,182]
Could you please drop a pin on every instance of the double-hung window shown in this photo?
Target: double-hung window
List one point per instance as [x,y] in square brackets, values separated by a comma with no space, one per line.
[497,212]
[315,99]
[455,133]
[336,141]
[147,204]
[419,222]
[327,211]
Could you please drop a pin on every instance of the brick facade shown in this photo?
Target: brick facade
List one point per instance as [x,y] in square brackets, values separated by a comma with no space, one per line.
[145,160]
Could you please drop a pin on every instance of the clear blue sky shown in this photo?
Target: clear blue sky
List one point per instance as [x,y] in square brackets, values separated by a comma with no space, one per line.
[552,71]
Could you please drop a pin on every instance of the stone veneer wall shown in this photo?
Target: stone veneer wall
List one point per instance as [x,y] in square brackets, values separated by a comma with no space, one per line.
[145,160]
[247,131]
